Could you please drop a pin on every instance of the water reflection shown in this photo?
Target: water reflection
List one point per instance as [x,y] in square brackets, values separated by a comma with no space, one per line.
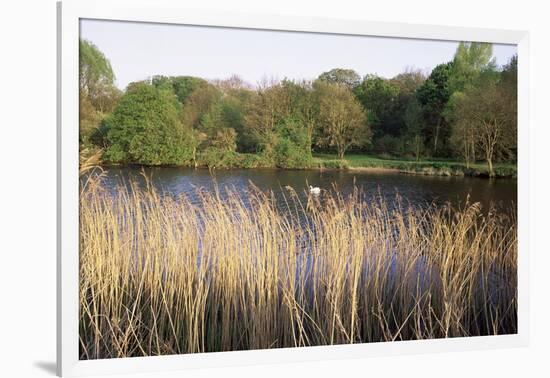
[413,189]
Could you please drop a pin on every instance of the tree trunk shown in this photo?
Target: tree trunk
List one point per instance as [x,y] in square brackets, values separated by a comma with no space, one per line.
[341,151]
[490,166]
[436,136]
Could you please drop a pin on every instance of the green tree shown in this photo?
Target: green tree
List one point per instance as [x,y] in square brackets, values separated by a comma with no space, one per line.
[413,121]
[406,83]
[343,120]
[217,127]
[463,133]
[96,77]
[484,110]
[97,92]
[470,60]
[293,146]
[379,98]
[144,129]
[433,95]
[267,108]
[343,76]
[509,88]
[199,103]
[182,86]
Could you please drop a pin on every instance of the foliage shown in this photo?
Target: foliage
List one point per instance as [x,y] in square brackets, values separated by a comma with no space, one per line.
[485,114]
[223,123]
[333,163]
[342,76]
[199,103]
[389,145]
[293,147]
[433,95]
[378,96]
[470,60]
[144,129]
[414,124]
[96,77]
[97,92]
[343,120]
[182,86]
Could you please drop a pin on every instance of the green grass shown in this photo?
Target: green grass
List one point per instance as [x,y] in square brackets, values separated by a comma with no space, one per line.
[431,167]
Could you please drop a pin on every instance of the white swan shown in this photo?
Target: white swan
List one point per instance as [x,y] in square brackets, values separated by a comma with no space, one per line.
[314,190]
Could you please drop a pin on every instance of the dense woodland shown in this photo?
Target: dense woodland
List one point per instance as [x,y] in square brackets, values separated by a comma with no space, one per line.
[463,110]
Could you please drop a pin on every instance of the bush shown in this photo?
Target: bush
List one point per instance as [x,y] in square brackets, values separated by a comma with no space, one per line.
[289,155]
[388,144]
[254,161]
[214,158]
[334,164]
[293,147]
[144,129]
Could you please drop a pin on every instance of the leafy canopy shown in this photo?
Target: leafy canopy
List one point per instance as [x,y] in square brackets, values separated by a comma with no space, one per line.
[144,129]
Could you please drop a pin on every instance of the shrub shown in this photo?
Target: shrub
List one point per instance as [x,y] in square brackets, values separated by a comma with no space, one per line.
[293,147]
[389,145]
[215,158]
[144,129]
[334,164]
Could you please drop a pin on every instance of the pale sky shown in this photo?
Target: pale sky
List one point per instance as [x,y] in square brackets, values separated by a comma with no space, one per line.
[140,50]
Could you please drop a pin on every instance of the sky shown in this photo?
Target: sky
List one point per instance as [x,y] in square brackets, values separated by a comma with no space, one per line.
[140,50]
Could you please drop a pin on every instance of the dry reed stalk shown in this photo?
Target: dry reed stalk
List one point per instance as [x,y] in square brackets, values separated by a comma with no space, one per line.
[164,275]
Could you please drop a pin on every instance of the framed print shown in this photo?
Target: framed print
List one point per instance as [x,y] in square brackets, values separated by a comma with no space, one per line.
[236,189]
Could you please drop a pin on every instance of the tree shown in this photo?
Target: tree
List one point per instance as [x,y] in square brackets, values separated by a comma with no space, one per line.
[302,104]
[463,133]
[414,124]
[97,92]
[293,146]
[267,108]
[219,133]
[433,95]
[346,77]
[470,60]
[182,86]
[144,129]
[408,82]
[96,77]
[485,111]
[379,97]
[509,85]
[342,117]
[198,103]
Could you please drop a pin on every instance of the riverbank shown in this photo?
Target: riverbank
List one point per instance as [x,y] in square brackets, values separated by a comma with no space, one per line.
[362,162]
[355,162]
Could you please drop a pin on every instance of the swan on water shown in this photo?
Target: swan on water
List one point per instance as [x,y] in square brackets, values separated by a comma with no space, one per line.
[314,190]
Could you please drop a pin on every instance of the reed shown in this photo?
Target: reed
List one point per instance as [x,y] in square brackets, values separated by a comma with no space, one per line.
[164,275]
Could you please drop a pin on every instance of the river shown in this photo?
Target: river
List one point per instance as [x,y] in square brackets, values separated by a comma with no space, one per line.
[416,190]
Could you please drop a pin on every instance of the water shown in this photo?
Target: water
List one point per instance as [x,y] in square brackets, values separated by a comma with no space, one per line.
[416,190]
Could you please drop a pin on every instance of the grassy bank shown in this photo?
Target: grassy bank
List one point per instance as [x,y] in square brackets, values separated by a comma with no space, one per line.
[426,167]
[229,160]
[163,275]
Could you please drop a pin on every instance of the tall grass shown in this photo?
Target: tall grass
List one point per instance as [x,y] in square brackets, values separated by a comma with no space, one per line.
[164,275]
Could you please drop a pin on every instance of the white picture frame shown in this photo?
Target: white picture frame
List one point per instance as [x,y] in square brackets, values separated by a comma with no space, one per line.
[69,14]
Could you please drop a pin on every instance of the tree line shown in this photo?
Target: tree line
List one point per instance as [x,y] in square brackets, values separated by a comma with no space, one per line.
[465,109]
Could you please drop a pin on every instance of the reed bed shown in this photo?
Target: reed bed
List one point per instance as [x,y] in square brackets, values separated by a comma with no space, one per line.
[163,275]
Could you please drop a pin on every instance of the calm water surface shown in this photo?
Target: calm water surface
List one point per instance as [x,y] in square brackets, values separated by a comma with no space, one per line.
[415,189]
